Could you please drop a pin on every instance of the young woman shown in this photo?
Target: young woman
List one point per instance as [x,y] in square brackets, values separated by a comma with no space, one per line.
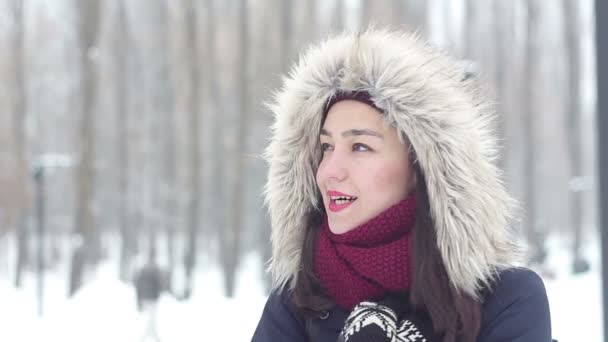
[390,221]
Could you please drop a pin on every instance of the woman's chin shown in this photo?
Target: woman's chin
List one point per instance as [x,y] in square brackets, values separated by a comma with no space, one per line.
[341,227]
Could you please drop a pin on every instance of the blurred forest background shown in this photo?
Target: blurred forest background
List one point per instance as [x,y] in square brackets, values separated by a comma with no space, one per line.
[135,126]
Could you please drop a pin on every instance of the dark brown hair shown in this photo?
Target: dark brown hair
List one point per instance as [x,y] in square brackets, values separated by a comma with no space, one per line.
[455,315]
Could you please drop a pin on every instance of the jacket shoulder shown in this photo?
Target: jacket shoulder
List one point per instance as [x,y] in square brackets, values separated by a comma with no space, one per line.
[516,309]
[279,321]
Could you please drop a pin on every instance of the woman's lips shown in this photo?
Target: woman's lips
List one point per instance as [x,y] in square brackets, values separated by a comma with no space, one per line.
[344,199]
[338,207]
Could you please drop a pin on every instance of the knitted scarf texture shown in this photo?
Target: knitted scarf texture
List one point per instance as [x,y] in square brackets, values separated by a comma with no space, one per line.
[368,261]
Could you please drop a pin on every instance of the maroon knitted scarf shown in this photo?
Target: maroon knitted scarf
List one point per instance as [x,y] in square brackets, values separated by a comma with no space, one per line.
[367,262]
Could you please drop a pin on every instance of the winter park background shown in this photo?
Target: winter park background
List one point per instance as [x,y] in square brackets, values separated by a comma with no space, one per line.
[132,125]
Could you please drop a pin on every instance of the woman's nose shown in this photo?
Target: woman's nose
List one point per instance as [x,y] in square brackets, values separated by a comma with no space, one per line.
[333,167]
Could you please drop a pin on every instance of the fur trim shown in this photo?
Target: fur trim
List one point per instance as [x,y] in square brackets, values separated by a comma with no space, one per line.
[450,129]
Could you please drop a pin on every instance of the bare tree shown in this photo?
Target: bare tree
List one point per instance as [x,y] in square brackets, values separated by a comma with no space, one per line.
[471,28]
[366,11]
[122,36]
[397,12]
[88,251]
[339,14]
[170,148]
[502,12]
[415,15]
[265,69]
[386,12]
[572,98]
[19,114]
[310,21]
[220,214]
[191,23]
[451,31]
[531,67]
[286,35]
[231,236]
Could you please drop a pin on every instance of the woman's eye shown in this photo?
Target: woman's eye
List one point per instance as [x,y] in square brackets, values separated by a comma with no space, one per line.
[325,147]
[358,147]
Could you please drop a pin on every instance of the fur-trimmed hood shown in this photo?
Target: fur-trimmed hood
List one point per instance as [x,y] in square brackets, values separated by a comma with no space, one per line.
[449,126]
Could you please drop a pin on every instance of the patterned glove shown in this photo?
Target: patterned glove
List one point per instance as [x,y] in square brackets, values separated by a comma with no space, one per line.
[388,320]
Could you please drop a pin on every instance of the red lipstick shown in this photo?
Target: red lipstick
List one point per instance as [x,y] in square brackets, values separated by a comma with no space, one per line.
[339,201]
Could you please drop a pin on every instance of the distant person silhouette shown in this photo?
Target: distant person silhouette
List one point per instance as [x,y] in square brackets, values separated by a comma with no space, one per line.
[148,287]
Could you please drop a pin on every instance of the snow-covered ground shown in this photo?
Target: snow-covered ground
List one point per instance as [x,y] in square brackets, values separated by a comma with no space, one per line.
[575,301]
[104,309]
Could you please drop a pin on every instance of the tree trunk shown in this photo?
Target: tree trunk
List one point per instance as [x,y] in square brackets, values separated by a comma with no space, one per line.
[532,64]
[220,215]
[170,162]
[88,16]
[263,68]
[19,114]
[415,16]
[451,32]
[122,35]
[310,22]
[231,237]
[572,98]
[195,163]
[502,13]
[339,15]
[471,27]
[396,13]
[286,33]
[365,13]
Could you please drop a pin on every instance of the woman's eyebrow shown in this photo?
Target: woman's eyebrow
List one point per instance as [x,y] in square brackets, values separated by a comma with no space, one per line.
[355,132]
[325,132]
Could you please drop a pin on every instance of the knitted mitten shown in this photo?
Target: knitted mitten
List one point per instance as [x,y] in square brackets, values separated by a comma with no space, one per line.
[388,320]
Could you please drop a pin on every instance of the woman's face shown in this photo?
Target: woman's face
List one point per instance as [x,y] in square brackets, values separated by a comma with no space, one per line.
[365,168]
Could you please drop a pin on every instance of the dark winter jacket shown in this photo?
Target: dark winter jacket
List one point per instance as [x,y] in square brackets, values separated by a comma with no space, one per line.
[426,97]
[516,310]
